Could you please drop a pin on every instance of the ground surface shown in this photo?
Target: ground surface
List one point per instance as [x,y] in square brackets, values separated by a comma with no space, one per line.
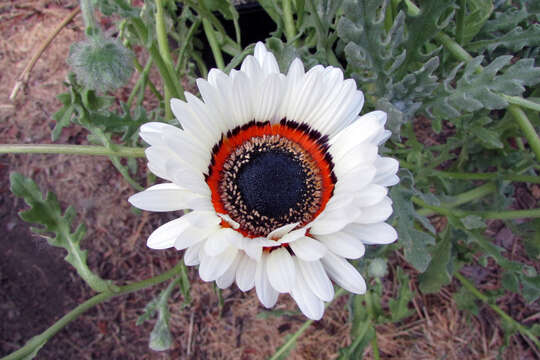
[38,286]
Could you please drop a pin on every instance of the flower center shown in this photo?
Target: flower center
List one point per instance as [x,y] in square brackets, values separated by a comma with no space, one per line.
[265,176]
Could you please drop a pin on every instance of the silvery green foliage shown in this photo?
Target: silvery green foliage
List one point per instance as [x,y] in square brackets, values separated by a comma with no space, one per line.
[475,89]
[395,60]
[100,63]
[47,213]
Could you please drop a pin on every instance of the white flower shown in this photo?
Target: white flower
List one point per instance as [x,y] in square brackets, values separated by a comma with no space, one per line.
[282,176]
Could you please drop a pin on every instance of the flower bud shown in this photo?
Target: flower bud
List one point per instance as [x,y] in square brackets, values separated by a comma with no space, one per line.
[377,268]
[101,64]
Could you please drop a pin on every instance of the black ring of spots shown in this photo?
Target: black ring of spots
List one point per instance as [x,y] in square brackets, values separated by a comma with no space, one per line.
[272,182]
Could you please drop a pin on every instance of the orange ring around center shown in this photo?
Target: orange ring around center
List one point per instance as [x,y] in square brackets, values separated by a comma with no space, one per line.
[311,145]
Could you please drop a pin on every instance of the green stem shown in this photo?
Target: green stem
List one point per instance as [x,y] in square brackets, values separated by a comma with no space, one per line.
[290,30]
[454,48]
[87,10]
[460,21]
[150,83]
[290,342]
[528,130]
[120,151]
[216,50]
[502,215]
[371,315]
[522,329]
[115,160]
[40,339]
[164,51]
[475,176]
[142,79]
[517,100]
[187,40]
[168,78]
[463,198]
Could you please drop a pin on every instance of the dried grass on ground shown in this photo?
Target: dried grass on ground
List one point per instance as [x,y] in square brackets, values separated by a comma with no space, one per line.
[38,286]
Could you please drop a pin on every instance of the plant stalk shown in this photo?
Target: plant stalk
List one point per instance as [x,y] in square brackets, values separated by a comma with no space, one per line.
[40,339]
[290,30]
[522,329]
[216,50]
[290,342]
[463,198]
[528,130]
[120,151]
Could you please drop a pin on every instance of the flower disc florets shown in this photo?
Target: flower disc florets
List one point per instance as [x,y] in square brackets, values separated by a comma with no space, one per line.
[282,176]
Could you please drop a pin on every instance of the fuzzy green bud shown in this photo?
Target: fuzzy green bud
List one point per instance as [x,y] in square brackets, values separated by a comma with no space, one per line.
[377,268]
[101,64]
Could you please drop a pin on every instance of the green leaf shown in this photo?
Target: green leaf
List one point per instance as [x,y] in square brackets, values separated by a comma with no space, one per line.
[472,222]
[414,242]
[480,11]
[531,288]
[466,301]
[489,138]
[47,212]
[478,90]
[160,337]
[515,40]
[399,307]
[437,274]
[510,282]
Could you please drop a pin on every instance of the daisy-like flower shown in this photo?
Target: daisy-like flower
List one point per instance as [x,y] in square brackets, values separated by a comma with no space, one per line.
[283,178]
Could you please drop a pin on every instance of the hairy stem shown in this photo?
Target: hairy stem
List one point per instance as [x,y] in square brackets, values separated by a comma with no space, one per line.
[290,30]
[164,51]
[502,215]
[120,151]
[40,339]
[522,329]
[528,130]
[463,198]
[474,176]
[211,36]
[290,342]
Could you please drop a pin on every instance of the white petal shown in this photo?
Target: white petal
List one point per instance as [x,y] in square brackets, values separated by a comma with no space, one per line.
[380,233]
[193,235]
[376,213]
[316,278]
[364,129]
[370,195]
[343,273]
[266,59]
[386,171]
[281,231]
[281,270]
[212,267]
[332,220]
[164,197]
[245,273]
[358,157]
[191,256]
[165,236]
[270,97]
[226,280]
[252,248]
[192,122]
[308,249]
[151,132]
[309,304]
[356,179]
[266,293]
[293,236]
[202,219]
[221,240]
[229,220]
[343,244]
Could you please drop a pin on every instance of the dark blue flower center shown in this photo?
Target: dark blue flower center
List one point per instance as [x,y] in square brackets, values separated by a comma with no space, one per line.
[272,183]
